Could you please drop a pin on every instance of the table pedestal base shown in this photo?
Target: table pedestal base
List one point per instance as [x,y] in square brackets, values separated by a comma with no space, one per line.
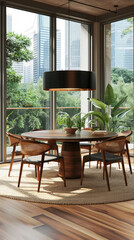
[72,160]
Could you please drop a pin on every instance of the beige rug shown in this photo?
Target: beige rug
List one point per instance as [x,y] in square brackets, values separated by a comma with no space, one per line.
[93,191]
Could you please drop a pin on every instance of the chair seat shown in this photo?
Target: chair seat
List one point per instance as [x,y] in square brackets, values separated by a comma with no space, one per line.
[109,151]
[98,157]
[36,153]
[86,144]
[17,152]
[48,158]
[31,161]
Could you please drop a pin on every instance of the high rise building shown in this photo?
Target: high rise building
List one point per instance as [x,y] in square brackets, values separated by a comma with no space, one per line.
[41,48]
[121,46]
[19,68]
[23,68]
[72,42]
[58,50]
[9,23]
[28,71]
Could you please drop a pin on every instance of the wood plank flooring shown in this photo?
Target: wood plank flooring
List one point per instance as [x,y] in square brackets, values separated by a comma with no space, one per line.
[29,221]
[21,220]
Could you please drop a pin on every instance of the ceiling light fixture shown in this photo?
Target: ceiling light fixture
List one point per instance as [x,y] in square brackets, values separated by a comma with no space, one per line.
[116,6]
[93,6]
[69,80]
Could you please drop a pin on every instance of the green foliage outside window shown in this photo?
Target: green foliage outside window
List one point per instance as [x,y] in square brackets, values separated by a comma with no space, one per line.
[23,95]
[26,95]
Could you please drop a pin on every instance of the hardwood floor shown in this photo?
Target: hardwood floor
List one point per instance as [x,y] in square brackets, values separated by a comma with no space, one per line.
[29,221]
[21,220]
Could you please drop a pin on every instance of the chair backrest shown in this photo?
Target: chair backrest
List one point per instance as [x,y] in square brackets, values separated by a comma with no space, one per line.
[36,129]
[112,145]
[33,148]
[13,138]
[126,134]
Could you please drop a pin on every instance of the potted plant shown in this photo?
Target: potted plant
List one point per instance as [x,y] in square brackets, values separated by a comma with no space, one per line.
[66,121]
[106,116]
[79,121]
[70,124]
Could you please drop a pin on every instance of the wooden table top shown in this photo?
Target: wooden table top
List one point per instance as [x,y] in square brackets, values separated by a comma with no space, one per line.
[62,136]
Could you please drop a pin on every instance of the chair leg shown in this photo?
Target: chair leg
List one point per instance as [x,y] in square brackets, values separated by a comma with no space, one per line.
[98,164]
[82,171]
[110,170]
[103,173]
[63,167]
[11,164]
[119,165]
[35,172]
[21,168]
[129,162]
[89,155]
[124,173]
[107,178]
[40,174]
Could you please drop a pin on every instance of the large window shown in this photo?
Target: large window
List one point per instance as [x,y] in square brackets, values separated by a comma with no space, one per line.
[28,53]
[72,54]
[119,64]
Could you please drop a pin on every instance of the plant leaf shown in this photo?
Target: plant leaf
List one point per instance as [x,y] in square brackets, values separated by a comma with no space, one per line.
[114,111]
[106,117]
[99,115]
[122,113]
[109,95]
[98,104]
[92,122]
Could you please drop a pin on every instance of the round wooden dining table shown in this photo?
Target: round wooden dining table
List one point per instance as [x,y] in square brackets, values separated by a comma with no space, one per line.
[70,146]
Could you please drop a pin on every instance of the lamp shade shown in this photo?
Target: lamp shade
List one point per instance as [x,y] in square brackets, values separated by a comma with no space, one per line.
[69,80]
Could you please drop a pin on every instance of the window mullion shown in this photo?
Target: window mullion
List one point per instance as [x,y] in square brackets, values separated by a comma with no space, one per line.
[3,83]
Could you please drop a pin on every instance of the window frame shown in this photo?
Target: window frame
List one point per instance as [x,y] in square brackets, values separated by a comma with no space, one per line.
[3,7]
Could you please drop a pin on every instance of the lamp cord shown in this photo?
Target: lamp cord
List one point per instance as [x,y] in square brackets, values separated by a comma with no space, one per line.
[68,34]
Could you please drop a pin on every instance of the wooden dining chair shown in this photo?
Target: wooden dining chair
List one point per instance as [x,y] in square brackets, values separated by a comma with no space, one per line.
[127,134]
[54,146]
[86,145]
[31,148]
[14,141]
[109,154]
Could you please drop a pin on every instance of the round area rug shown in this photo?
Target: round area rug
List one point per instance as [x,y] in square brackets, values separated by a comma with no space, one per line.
[93,191]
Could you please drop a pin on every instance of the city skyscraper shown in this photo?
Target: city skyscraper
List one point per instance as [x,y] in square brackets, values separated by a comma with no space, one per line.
[121,46]
[9,23]
[72,42]
[23,68]
[41,47]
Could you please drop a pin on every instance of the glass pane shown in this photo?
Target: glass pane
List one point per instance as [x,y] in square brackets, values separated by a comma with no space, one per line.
[119,67]
[28,44]
[72,54]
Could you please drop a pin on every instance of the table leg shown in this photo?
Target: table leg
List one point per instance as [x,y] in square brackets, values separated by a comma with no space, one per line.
[72,159]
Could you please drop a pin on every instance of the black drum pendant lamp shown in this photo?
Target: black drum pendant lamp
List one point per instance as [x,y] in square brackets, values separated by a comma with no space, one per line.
[69,80]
